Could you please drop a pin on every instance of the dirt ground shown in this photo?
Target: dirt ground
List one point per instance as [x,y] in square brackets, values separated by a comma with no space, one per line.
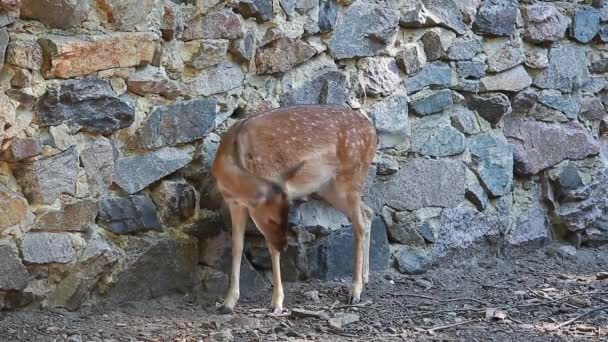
[532,294]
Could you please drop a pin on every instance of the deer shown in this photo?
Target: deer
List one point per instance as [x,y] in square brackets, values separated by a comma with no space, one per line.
[266,161]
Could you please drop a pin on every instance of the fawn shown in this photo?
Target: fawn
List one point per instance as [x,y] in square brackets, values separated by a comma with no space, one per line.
[267,160]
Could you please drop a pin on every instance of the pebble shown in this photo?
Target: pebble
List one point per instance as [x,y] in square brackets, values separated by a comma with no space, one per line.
[312,295]
[343,319]
[566,251]
[423,283]
[601,276]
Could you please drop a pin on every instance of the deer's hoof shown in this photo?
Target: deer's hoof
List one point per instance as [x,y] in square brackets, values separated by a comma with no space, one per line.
[352,300]
[225,310]
[276,311]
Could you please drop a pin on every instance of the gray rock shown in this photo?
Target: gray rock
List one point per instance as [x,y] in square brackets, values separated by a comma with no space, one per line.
[602,34]
[412,260]
[567,68]
[566,251]
[477,195]
[333,257]
[135,15]
[223,24]
[531,226]
[244,48]
[169,265]
[447,13]
[176,201]
[210,52]
[124,215]
[539,145]
[436,74]
[317,214]
[176,124]
[467,85]
[387,166]
[590,212]
[134,173]
[13,275]
[492,107]
[328,14]
[436,42]
[216,79]
[282,55]
[4,41]
[329,87]
[44,248]
[594,85]
[342,319]
[97,158]
[61,14]
[293,7]
[599,66]
[411,58]
[44,179]
[463,49]
[592,108]
[380,75]
[428,101]
[421,183]
[496,18]
[362,30]
[537,58]
[406,233]
[74,215]
[543,23]
[151,80]
[492,161]
[434,136]
[391,120]
[563,103]
[514,80]
[89,104]
[465,120]
[473,69]
[585,24]
[569,178]
[25,54]
[22,149]
[13,207]
[503,54]
[261,10]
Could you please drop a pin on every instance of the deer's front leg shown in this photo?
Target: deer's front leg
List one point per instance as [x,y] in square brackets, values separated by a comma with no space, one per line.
[359,242]
[238,216]
[276,306]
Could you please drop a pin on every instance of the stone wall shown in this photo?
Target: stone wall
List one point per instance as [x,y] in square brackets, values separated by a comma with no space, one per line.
[491,116]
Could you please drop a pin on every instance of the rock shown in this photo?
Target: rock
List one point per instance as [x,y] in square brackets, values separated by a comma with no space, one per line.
[70,56]
[61,14]
[463,49]
[293,7]
[4,41]
[503,54]
[514,80]
[436,74]
[601,275]
[428,183]
[531,226]
[467,85]
[22,149]
[589,212]
[473,69]
[390,117]
[496,18]
[412,260]
[244,48]
[465,120]
[362,30]
[342,319]
[492,107]
[428,101]
[406,234]
[592,108]
[131,214]
[543,23]
[217,79]
[134,15]
[206,52]
[282,55]
[317,214]
[13,275]
[312,296]
[539,145]
[44,248]
[328,87]
[328,14]
[434,136]
[476,194]
[172,24]
[97,158]
[537,58]
[447,14]
[169,263]
[436,42]
[566,251]
[74,215]
[175,124]
[44,179]
[134,173]
[492,161]
[152,80]
[176,201]
[87,104]
[380,74]
[222,24]
[333,257]
[567,68]
[261,10]
[595,85]
[569,178]
[411,58]
[548,105]
[585,24]
[25,54]
[387,166]
[468,9]
[602,34]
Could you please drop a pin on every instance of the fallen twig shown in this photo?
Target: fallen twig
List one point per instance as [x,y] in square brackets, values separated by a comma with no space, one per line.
[570,321]
[443,327]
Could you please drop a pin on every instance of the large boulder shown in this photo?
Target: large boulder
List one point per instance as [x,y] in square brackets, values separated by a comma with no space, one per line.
[496,18]
[434,136]
[492,160]
[123,215]
[13,275]
[567,68]
[543,23]
[45,248]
